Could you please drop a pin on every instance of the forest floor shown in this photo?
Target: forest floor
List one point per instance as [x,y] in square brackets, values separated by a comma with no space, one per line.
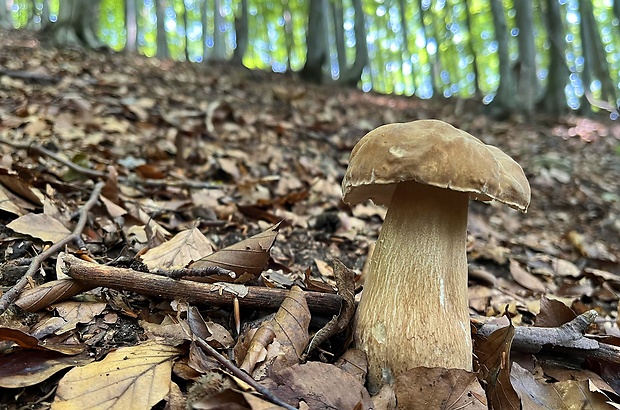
[224,153]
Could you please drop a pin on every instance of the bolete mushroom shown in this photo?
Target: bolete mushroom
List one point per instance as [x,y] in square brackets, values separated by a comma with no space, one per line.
[414,307]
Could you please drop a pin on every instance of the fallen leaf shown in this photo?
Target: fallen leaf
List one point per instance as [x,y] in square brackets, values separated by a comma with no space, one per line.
[130,378]
[494,364]
[186,246]
[246,258]
[40,226]
[320,386]
[525,279]
[438,388]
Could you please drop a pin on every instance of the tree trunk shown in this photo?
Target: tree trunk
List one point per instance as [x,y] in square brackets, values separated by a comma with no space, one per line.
[5,17]
[288,33]
[503,103]
[317,53]
[162,38]
[554,100]
[241,32]
[131,23]
[339,33]
[353,74]
[595,61]
[471,51]
[528,82]
[219,45]
[431,58]
[76,24]
[402,4]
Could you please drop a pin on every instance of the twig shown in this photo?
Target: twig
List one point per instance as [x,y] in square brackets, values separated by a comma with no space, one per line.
[193,292]
[12,293]
[45,152]
[566,338]
[238,373]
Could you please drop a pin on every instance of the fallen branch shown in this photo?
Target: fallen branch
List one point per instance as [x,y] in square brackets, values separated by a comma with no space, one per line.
[192,292]
[569,337]
[12,293]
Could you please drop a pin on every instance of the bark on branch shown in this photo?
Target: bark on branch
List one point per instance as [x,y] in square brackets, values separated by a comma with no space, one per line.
[193,292]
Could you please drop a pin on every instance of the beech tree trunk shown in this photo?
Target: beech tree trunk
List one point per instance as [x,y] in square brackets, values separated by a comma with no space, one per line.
[595,61]
[219,45]
[241,32]
[353,74]
[471,51]
[431,58]
[76,24]
[528,82]
[162,38]
[131,24]
[402,4]
[338,19]
[503,103]
[316,42]
[5,17]
[554,100]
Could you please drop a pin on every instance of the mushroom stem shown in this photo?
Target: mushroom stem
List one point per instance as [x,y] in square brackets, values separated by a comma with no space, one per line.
[414,308]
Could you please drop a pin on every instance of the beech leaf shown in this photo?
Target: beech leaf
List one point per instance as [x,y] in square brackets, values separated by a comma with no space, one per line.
[130,378]
[246,258]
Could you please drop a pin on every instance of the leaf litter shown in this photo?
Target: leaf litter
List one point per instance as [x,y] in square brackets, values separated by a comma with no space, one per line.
[199,163]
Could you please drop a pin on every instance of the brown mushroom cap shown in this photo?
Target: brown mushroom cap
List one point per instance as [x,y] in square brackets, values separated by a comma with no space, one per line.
[435,153]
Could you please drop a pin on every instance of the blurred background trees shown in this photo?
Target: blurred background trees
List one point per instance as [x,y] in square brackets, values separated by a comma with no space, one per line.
[519,56]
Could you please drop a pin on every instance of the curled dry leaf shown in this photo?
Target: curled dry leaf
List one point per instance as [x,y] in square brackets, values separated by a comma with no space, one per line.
[48,293]
[494,368]
[290,330]
[525,279]
[246,258]
[130,378]
[29,367]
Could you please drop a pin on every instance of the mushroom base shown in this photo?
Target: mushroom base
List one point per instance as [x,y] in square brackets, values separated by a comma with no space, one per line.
[414,308]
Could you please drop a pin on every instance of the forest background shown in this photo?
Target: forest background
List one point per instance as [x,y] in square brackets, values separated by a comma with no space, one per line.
[517,56]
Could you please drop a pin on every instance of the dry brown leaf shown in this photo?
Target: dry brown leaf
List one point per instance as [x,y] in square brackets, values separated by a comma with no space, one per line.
[525,279]
[320,386]
[78,312]
[214,334]
[130,378]
[354,362]
[48,293]
[186,246]
[40,226]
[22,189]
[438,388]
[290,330]
[553,313]
[29,367]
[494,364]
[11,203]
[536,393]
[246,258]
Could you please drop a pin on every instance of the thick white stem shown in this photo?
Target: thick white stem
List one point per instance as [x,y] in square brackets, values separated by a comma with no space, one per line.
[414,308]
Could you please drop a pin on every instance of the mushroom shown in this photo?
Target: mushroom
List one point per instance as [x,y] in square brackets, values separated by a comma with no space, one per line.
[414,307]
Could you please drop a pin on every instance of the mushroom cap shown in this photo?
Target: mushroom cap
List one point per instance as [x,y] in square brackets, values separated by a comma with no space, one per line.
[434,153]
